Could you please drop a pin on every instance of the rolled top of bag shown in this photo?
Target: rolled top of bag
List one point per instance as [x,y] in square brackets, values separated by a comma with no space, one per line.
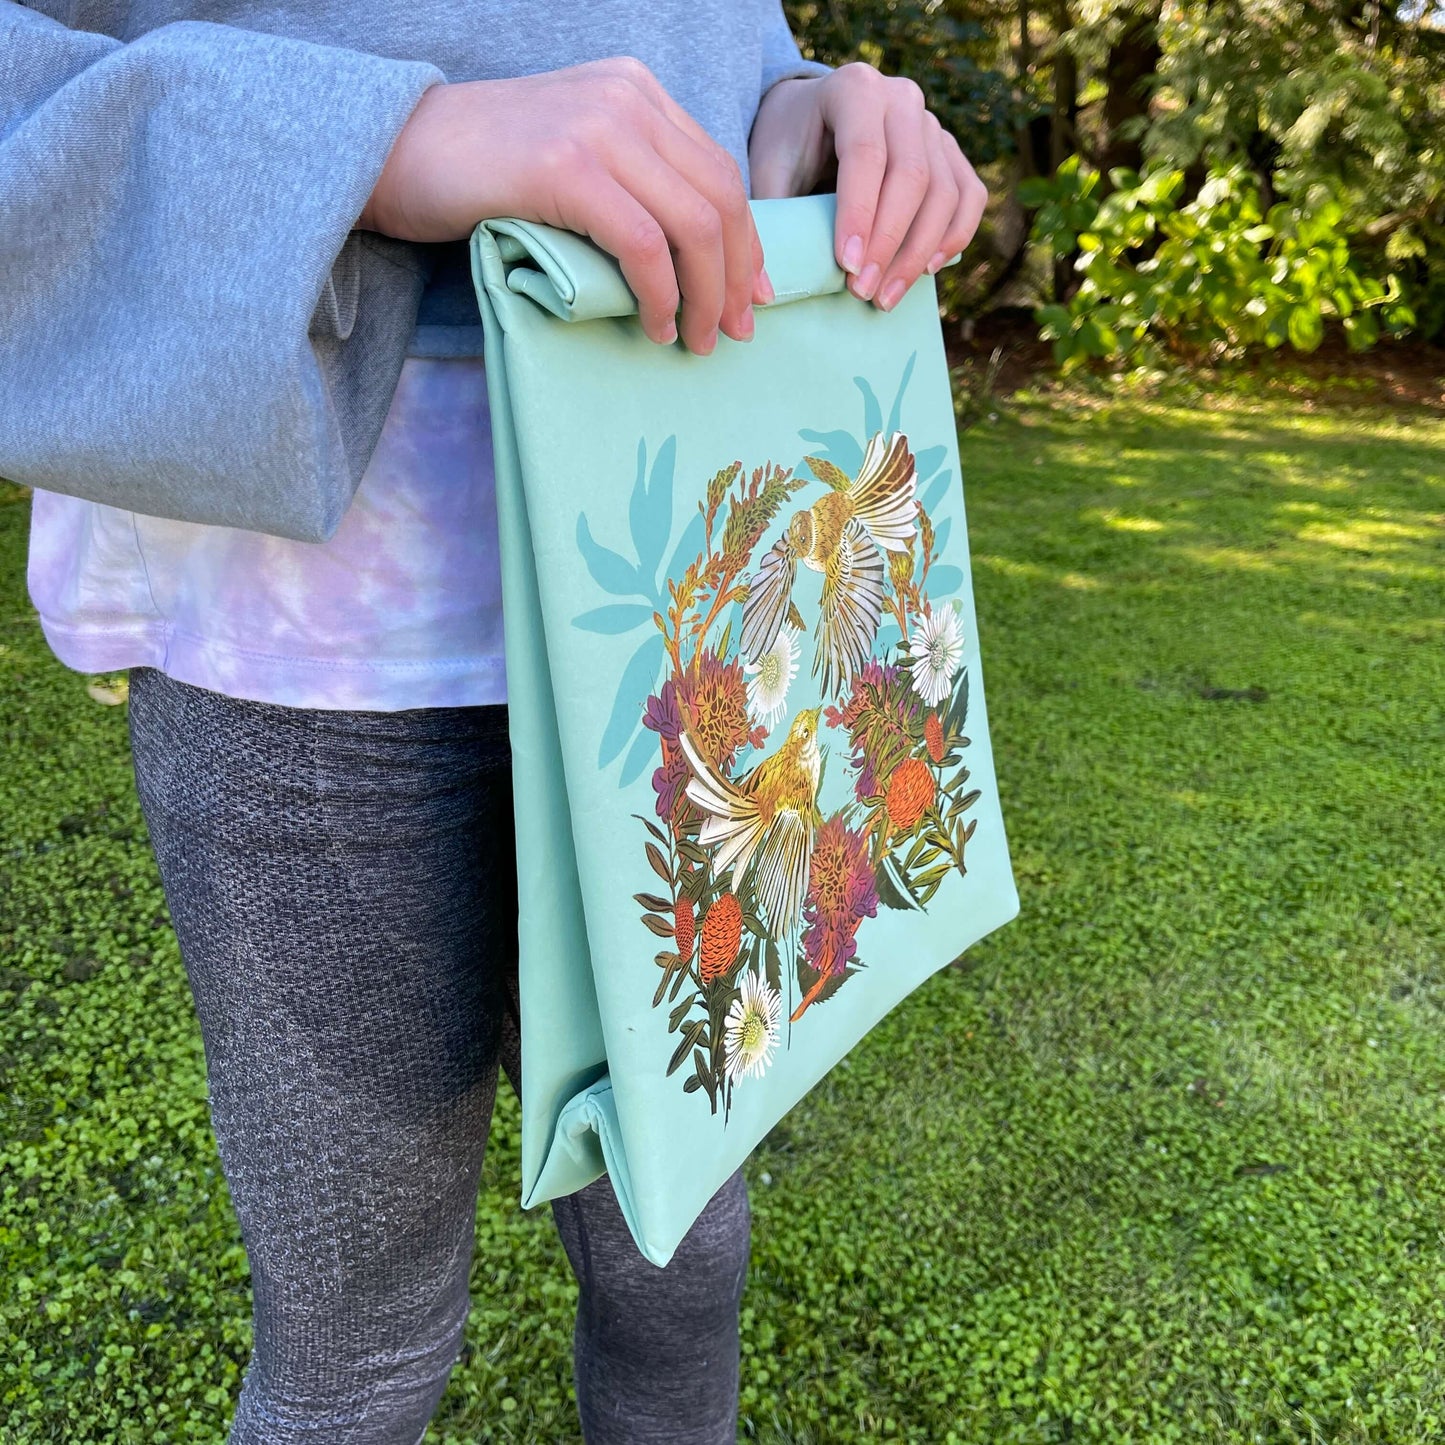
[576,280]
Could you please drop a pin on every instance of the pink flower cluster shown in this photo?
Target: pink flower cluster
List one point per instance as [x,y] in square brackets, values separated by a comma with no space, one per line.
[664,717]
[841,892]
[884,719]
[712,698]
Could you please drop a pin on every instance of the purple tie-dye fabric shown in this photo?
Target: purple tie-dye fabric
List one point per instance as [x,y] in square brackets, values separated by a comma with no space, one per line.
[401,608]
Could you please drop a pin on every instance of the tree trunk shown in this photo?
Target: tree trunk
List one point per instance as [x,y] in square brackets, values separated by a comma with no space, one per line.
[1133,62]
[1063,128]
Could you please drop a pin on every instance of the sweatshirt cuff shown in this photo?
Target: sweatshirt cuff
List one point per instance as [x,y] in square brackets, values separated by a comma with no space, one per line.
[792,70]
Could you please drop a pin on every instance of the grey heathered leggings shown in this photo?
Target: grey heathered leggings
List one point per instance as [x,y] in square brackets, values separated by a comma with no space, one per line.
[343,886]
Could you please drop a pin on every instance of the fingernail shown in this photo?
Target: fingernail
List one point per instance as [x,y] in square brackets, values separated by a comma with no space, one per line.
[709,344]
[853,254]
[670,334]
[868,280]
[938,259]
[746,324]
[893,293]
[768,293]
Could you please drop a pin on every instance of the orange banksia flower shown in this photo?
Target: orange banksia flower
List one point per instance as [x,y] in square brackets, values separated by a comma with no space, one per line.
[684,927]
[910,791]
[933,736]
[722,934]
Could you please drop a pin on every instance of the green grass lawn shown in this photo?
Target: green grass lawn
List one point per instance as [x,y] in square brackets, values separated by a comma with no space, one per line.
[1157,1162]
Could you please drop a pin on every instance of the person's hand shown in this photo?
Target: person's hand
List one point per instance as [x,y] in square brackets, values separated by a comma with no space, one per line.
[600,149]
[907,197]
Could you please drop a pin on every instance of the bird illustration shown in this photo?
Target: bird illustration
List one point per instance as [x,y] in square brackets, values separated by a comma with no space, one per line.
[770,812]
[839,536]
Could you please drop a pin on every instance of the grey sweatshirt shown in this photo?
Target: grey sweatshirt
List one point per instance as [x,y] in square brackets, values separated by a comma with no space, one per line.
[189,325]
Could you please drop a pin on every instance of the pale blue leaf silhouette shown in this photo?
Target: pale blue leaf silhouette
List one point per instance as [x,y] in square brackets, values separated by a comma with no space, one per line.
[637,679]
[926,462]
[902,387]
[839,447]
[940,536]
[888,635]
[642,752]
[943,582]
[650,510]
[936,488]
[637,503]
[689,546]
[872,412]
[611,572]
[614,618]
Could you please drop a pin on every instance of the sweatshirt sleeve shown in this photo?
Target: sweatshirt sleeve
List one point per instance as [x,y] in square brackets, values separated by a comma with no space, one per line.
[184,322]
[782,60]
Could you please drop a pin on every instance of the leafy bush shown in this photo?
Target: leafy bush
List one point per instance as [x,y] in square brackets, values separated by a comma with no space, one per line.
[1346,95]
[1204,280]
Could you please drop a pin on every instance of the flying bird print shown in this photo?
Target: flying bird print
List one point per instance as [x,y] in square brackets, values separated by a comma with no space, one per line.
[840,535]
[771,811]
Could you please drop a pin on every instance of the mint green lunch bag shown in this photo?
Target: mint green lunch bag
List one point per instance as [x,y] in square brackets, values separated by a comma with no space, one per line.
[754,791]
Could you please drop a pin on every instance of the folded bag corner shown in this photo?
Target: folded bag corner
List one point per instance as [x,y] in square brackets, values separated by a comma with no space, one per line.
[754,793]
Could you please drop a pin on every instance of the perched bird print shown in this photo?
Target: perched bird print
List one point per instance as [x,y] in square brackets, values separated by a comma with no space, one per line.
[770,813]
[840,536]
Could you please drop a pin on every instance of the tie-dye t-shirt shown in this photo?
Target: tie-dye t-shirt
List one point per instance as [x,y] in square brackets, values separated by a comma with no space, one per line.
[401,608]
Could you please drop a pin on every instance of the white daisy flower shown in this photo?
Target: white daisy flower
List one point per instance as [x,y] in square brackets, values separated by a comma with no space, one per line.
[770,675]
[936,650]
[751,1032]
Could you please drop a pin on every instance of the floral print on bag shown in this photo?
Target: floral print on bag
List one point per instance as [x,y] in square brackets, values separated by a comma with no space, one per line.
[757,890]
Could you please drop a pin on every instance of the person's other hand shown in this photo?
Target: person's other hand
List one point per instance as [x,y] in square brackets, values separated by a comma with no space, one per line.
[907,197]
[600,149]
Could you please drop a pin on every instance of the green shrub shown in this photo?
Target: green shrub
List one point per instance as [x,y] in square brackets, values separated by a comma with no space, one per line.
[1209,279]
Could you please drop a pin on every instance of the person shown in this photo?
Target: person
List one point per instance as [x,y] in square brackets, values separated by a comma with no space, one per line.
[203,218]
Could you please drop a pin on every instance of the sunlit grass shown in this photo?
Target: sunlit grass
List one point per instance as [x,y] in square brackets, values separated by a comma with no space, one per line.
[1157,1162]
